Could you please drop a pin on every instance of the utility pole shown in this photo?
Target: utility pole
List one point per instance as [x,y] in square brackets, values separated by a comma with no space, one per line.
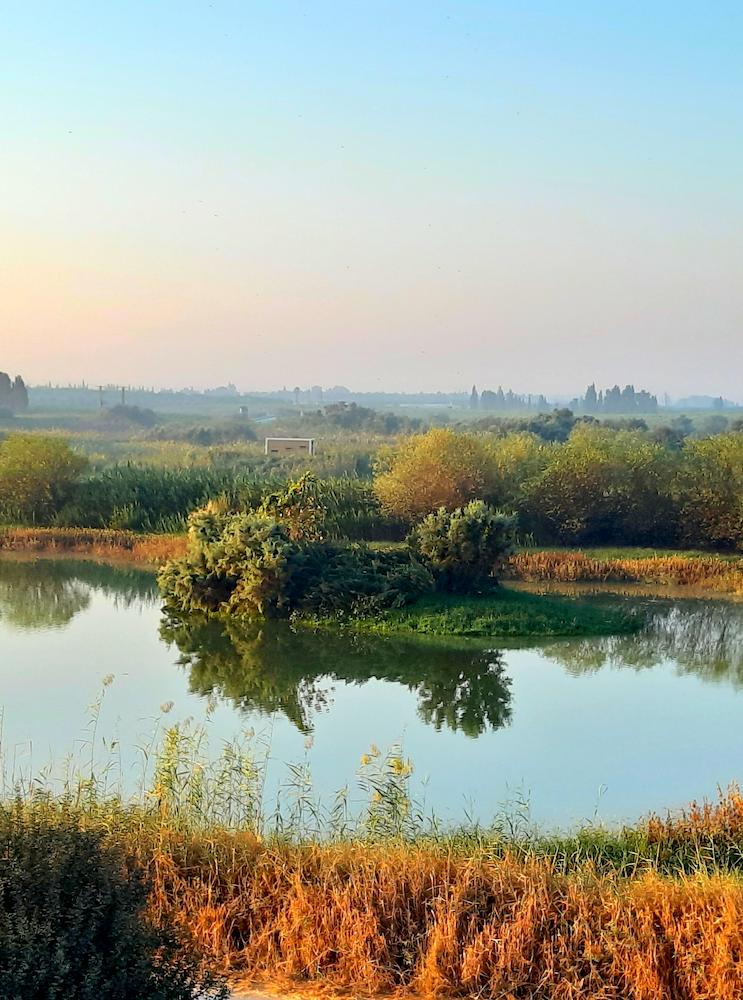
[123,396]
[100,396]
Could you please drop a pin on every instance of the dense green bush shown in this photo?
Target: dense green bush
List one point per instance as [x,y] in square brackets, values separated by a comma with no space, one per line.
[73,924]
[601,486]
[464,548]
[248,564]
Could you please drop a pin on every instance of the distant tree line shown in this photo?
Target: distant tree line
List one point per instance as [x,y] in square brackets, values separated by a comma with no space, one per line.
[13,393]
[615,400]
[507,402]
[353,417]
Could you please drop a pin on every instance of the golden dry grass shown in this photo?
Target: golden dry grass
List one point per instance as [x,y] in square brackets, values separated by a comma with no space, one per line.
[404,919]
[103,543]
[703,572]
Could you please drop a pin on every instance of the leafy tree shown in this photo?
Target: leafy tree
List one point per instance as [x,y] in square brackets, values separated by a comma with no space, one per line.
[438,469]
[517,459]
[710,491]
[605,486]
[37,476]
[466,547]
[299,507]
[555,426]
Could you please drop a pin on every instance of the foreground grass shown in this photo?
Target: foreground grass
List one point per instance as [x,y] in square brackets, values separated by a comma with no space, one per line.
[384,900]
[501,613]
[719,573]
[650,912]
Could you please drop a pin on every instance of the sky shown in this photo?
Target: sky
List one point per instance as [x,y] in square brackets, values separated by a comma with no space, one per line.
[408,195]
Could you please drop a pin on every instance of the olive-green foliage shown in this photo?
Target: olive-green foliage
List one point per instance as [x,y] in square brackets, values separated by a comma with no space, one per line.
[710,491]
[73,921]
[37,476]
[602,485]
[465,547]
[247,564]
[618,485]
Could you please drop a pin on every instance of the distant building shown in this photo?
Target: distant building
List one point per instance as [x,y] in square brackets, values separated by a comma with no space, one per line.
[290,446]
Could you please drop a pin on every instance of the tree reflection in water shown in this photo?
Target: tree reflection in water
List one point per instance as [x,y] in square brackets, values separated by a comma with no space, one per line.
[269,667]
[48,593]
[701,637]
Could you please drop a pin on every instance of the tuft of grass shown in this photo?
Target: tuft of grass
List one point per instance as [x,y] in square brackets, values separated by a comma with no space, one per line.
[501,613]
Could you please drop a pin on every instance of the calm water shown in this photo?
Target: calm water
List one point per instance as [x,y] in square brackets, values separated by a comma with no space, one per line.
[613,726]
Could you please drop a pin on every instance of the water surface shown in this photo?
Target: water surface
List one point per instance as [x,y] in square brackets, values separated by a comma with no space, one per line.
[608,727]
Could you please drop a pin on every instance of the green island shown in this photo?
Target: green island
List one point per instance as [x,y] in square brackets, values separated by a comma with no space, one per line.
[500,613]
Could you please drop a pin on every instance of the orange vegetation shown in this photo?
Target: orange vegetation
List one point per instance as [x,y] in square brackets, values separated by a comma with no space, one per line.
[99,543]
[706,572]
[393,918]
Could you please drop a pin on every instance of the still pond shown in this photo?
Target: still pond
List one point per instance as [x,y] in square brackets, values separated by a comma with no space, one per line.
[606,728]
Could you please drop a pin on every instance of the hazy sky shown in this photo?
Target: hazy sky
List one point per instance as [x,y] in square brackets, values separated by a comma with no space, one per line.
[408,194]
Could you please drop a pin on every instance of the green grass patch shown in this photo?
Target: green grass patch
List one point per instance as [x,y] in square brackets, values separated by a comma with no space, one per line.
[501,613]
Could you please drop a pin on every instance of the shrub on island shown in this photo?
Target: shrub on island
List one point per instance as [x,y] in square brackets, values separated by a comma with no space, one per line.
[465,548]
[247,564]
[275,561]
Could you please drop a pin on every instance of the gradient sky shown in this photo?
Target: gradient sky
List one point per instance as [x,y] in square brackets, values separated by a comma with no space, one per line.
[403,195]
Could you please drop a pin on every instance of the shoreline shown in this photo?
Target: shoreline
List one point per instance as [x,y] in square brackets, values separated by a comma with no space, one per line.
[691,572]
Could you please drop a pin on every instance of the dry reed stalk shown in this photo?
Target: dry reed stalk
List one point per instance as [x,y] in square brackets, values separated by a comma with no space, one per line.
[404,918]
[706,572]
[98,543]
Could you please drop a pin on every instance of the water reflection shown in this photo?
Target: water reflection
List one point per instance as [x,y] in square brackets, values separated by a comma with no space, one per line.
[48,593]
[701,637]
[270,667]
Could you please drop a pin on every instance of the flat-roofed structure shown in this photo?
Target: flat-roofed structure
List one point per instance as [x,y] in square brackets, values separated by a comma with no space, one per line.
[290,446]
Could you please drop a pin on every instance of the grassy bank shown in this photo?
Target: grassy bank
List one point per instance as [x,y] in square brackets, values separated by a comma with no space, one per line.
[97,543]
[717,573]
[650,912]
[501,613]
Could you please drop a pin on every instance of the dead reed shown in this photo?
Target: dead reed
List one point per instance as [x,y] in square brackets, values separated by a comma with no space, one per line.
[389,904]
[399,918]
[703,572]
[97,543]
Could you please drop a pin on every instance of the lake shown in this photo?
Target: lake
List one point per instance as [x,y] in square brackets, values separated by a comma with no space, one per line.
[606,727]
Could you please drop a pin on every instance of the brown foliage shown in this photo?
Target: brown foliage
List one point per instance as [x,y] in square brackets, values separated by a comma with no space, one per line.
[375,919]
[100,543]
[706,572]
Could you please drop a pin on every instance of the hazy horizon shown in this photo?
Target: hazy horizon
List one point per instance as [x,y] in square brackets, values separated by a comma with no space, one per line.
[390,197]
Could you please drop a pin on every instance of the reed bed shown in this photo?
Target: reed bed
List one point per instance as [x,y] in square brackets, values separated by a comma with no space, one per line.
[714,573]
[386,902]
[97,543]
[381,918]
